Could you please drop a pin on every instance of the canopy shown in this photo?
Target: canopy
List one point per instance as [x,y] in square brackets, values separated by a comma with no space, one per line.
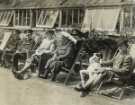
[6,17]
[101,19]
[5,39]
[47,18]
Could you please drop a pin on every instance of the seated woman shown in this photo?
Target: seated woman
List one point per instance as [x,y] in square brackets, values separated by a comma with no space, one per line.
[62,57]
[46,47]
[121,68]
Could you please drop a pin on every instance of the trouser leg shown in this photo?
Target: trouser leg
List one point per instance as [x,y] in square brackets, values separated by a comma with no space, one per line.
[43,60]
[48,67]
[83,74]
[27,65]
[15,61]
[56,69]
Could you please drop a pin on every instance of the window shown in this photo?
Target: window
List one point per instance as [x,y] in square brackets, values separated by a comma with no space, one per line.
[101,19]
[46,18]
[23,18]
[133,22]
[127,19]
[72,17]
[6,17]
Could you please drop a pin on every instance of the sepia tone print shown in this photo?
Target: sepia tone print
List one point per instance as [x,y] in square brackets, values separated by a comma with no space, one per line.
[67,52]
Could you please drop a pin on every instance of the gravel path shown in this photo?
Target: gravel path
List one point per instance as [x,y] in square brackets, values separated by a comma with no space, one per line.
[37,91]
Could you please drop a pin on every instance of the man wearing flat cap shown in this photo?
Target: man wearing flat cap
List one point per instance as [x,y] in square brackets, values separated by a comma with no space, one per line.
[120,68]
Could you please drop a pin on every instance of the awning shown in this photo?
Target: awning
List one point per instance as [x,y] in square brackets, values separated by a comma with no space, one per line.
[47,18]
[5,39]
[101,19]
[6,17]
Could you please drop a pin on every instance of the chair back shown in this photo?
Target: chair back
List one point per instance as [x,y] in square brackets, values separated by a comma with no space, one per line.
[132,53]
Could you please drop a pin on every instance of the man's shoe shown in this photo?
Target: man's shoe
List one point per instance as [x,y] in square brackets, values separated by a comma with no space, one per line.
[42,76]
[77,88]
[84,94]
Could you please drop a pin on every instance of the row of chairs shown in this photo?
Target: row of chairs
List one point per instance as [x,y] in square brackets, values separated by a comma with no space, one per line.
[76,61]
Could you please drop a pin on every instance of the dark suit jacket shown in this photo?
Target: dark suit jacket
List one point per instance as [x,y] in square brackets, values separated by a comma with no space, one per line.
[121,64]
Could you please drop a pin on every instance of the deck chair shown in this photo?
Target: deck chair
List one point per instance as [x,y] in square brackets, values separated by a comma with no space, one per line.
[27,54]
[4,42]
[71,71]
[5,39]
[124,86]
[69,67]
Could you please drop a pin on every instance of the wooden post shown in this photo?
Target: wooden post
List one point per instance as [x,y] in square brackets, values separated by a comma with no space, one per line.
[72,16]
[26,21]
[131,17]
[22,18]
[31,17]
[60,18]
[1,16]
[18,20]
[14,18]
[67,17]
[79,15]
[37,14]
[121,20]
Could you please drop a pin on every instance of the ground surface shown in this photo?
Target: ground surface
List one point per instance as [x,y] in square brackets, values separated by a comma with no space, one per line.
[37,91]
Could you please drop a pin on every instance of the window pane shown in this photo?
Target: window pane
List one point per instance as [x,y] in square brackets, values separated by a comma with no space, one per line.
[127,17]
[72,17]
[5,17]
[47,18]
[22,18]
[133,22]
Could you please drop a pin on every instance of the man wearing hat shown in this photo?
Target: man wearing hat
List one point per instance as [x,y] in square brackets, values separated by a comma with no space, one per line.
[10,48]
[24,46]
[63,55]
[46,49]
[121,68]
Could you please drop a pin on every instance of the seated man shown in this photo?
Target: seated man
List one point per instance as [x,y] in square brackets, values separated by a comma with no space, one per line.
[62,57]
[92,71]
[121,68]
[10,48]
[25,45]
[46,47]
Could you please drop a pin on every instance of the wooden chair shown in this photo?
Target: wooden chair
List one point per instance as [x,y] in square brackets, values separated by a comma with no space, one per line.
[124,86]
[3,44]
[28,55]
[71,71]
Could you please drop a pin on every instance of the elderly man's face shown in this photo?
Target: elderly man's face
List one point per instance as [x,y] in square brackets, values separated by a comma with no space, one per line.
[28,35]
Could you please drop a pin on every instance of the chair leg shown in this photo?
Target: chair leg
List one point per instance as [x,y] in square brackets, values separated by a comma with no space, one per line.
[120,95]
[67,78]
[69,74]
[98,88]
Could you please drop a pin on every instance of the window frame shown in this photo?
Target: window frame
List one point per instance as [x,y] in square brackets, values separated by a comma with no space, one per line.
[80,16]
[22,17]
[41,18]
[6,17]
